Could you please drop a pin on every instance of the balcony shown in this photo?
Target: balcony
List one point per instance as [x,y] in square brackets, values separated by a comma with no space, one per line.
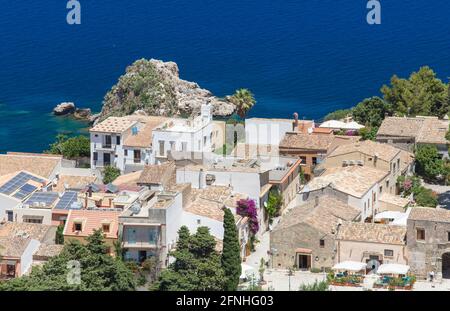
[106,147]
[140,244]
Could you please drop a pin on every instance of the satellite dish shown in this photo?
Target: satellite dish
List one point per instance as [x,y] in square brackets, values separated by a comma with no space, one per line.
[373,265]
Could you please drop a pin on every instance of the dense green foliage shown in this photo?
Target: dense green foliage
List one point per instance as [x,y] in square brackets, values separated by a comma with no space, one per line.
[274,203]
[425,197]
[244,100]
[141,87]
[197,265]
[421,94]
[368,133]
[429,164]
[98,270]
[59,237]
[71,148]
[338,114]
[110,173]
[422,196]
[231,259]
[371,111]
[321,286]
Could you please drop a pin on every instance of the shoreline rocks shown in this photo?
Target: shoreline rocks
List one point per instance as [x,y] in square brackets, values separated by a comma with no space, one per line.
[64,108]
[69,108]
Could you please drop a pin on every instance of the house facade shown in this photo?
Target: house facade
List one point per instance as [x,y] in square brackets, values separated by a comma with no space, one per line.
[149,228]
[429,242]
[374,244]
[305,237]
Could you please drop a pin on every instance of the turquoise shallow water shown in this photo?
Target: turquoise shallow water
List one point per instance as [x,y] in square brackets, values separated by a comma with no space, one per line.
[306,56]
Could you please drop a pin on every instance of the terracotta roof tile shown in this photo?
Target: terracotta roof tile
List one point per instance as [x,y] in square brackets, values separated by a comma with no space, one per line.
[92,220]
[430,214]
[353,180]
[42,165]
[113,125]
[143,139]
[158,174]
[325,217]
[375,233]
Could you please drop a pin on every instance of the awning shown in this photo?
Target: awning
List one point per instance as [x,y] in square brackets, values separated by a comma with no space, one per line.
[350,266]
[303,251]
[393,268]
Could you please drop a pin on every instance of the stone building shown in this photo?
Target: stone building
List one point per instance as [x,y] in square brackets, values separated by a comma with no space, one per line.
[428,241]
[407,133]
[305,236]
[374,244]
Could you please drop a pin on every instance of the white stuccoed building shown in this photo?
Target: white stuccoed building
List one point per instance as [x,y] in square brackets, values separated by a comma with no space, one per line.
[129,143]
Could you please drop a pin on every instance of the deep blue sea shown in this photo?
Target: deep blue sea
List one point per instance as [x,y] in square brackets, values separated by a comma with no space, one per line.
[309,56]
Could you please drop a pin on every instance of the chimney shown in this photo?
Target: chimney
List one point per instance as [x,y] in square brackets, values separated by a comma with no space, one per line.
[295,123]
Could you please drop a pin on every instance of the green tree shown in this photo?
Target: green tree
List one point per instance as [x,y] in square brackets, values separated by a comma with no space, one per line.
[244,100]
[71,148]
[371,111]
[98,271]
[368,133]
[197,267]
[422,94]
[59,237]
[274,203]
[231,259]
[429,163]
[425,197]
[110,173]
[338,114]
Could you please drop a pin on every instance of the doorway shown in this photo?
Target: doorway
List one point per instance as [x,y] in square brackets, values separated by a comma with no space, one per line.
[142,256]
[303,262]
[106,159]
[446,266]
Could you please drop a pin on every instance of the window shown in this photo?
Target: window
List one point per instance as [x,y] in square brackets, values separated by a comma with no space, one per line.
[10,215]
[448,234]
[126,152]
[314,160]
[205,139]
[184,146]
[387,183]
[388,253]
[322,243]
[172,145]
[137,156]
[303,160]
[420,234]
[161,147]
[77,226]
[199,221]
[95,156]
[395,168]
[33,219]
[105,228]
[117,140]
[381,189]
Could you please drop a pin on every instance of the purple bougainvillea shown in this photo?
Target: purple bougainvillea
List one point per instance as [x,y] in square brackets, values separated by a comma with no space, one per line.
[247,208]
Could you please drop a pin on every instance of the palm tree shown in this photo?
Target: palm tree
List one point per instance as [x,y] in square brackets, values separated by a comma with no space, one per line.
[244,100]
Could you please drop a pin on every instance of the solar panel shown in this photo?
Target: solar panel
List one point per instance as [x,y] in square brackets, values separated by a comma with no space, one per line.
[66,200]
[17,182]
[46,197]
[24,191]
